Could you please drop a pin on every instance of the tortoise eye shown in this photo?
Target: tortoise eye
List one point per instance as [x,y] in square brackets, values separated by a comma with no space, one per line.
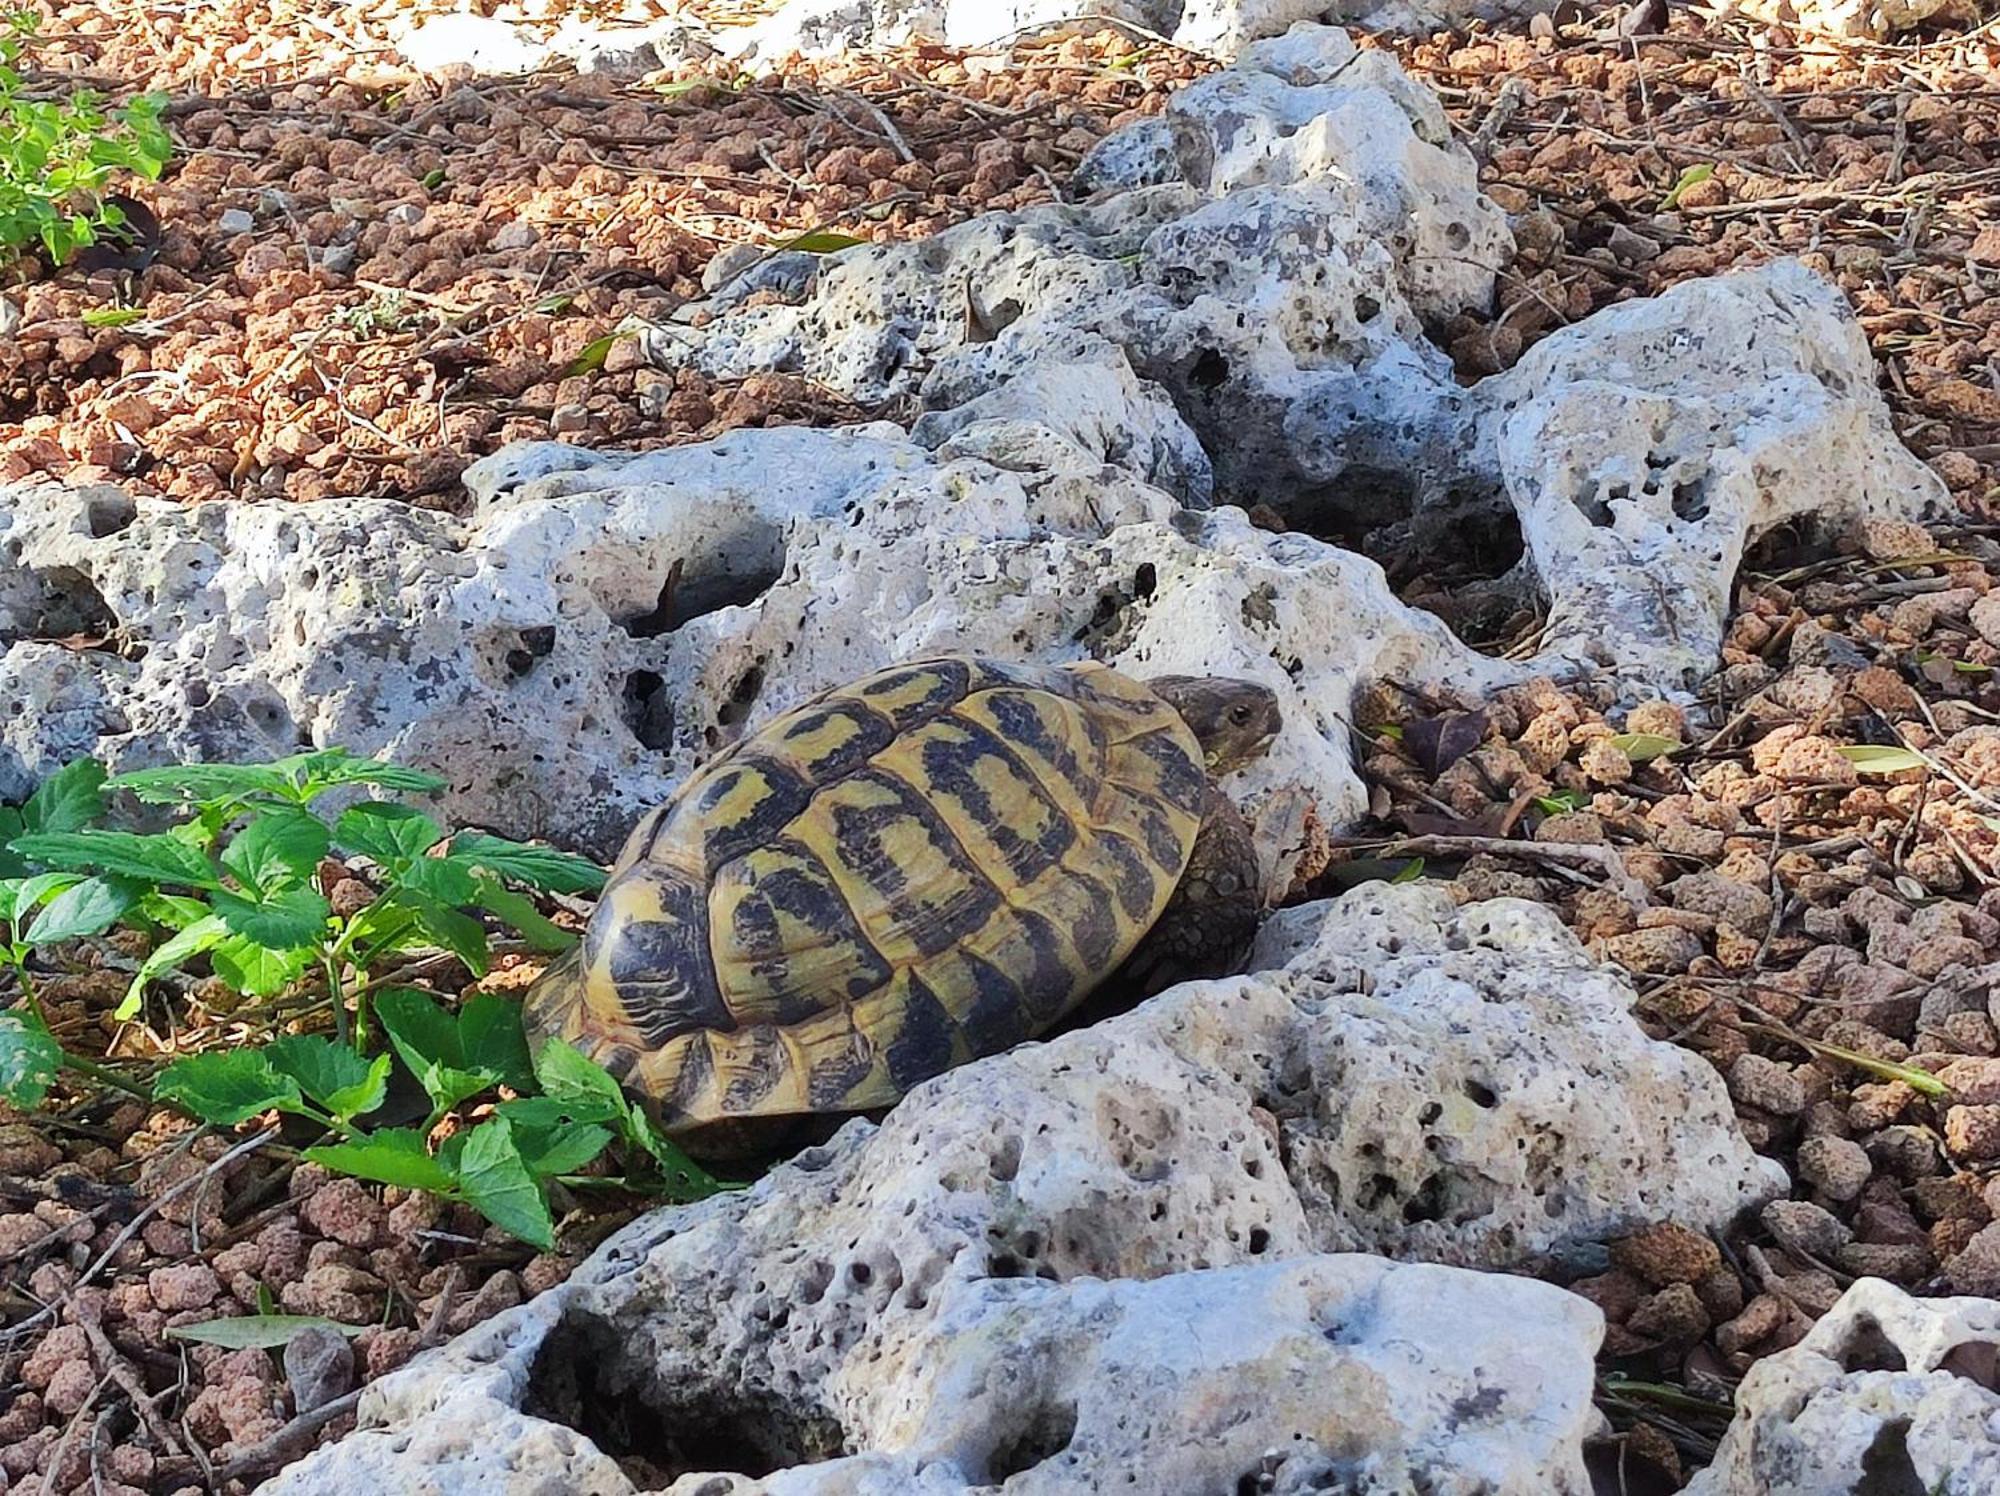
[1240,712]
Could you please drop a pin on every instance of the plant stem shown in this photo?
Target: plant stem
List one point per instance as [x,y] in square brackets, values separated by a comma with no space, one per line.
[104,1074]
[330,963]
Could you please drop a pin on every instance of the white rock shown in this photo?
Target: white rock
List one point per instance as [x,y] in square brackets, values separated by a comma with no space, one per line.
[1456,1085]
[1885,1393]
[1875,20]
[1288,1376]
[235,221]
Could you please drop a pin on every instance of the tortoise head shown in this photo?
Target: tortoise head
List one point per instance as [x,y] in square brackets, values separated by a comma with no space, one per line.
[1234,720]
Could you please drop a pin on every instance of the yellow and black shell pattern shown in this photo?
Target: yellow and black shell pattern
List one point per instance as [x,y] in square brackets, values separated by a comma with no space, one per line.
[931,864]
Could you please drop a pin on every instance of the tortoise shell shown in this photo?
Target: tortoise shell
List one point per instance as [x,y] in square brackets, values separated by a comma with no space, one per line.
[925,866]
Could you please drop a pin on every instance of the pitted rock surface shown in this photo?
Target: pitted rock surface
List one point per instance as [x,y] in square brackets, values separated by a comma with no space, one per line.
[1887,1392]
[1225,1125]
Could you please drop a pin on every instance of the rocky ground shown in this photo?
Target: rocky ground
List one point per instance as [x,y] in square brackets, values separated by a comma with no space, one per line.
[369,279]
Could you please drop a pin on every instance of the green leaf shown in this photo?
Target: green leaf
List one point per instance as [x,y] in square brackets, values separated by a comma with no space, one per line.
[279,849]
[1560,803]
[433,179]
[87,908]
[387,833]
[327,768]
[68,800]
[495,1180]
[157,859]
[684,1178]
[204,934]
[29,1058]
[446,928]
[175,911]
[519,911]
[561,1149]
[1868,758]
[593,356]
[258,1332]
[113,316]
[1688,178]
[331,1074]
[20,897]
[822,242]
[288,919]
[227,1086]
[12,864]
[178,784]
[490,1039]
[254,969]
[1642,747]
[541,868]
[422,1031]
[1412,870]
[569,1076]
[440,879]
[394,1155]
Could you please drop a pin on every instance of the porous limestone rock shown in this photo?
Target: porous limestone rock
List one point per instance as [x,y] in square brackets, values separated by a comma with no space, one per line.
[1874,20]
[1461,1086]
[1886,1393]
[1294,1377]
[605,623]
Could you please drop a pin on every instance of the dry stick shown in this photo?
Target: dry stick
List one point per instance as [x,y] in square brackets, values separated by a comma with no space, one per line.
[888,125]
[1603,857]
[136,1225]
[126,1375]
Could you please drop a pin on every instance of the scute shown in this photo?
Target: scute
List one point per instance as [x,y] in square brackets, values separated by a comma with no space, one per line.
[930,864]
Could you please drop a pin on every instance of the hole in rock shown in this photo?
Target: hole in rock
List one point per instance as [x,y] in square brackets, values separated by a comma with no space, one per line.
[742,697]
[1032,1436]
[1886,1466]
[749,569]
[1690,500]
[1481,1095]
[1209,370]
[71,605]
[1458,555]
[108,513]
[659,1428]
[1868,1349]
[647,711]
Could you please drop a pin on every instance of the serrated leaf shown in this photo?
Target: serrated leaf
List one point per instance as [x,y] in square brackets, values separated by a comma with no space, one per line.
[1870,758]
[460,934]
[542,868]
[227,1086]
[20,897]
[326,768]
[560,1149]
[278,849]
[178,784]
[684,1178]
[87,908]
[491,1039]
[204,934]
[422,1031]
[1643,747]
[392,1156]
[325,1070]
[386,833]
[287,920]
[258,1332]
[541,933]
[568,1076]
[441,879]
[68,800]
[822,242]
[495,1180]
[158,859]
[254,969]
[30,1058]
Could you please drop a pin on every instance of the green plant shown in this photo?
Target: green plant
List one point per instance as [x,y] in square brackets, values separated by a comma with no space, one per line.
[56,158]
[248,881]
[564,1110]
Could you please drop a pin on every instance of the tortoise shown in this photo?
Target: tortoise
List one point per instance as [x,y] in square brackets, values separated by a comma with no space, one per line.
[925,866]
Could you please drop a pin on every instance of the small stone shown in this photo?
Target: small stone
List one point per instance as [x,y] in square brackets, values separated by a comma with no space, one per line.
[1976,1269]
[1907,1152]
[1760,1318]
[185,1286]
[1665,950]
[1898,1263]
[1667,1254]
[235,221]
[319,1366]
[1721,1294]
[1604,763]
[1767,1085]
[1675,1315]
[1973,1132]
[1802,1227]
[1836,1167]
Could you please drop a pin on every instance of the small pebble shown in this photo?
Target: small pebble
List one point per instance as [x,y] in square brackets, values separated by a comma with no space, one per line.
[1805,1228]
[1767,1085]
[1836,1167]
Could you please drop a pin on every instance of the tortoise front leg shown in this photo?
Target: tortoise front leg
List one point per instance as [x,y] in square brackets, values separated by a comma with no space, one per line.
[1207,926]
